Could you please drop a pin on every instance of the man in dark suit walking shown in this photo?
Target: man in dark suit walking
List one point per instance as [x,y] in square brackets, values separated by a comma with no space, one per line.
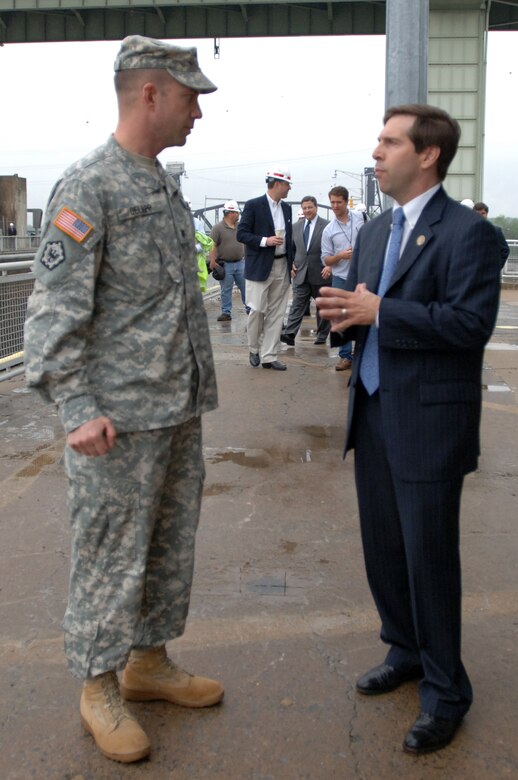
[265,229]
[503,247]
[308,273]
[421,303]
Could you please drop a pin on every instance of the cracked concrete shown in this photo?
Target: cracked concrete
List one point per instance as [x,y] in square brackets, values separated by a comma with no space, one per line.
[280,610]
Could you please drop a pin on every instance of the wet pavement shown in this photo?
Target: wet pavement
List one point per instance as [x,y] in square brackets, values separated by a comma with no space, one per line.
[280,609]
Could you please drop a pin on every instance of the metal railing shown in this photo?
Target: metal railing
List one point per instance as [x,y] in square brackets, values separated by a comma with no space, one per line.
[19,243]
[16,283]
[510,269]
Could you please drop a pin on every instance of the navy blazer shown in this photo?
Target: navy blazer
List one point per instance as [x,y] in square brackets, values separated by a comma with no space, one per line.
[434,321]
[255,223]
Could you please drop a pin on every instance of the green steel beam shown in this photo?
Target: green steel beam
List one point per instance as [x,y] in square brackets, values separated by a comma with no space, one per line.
[32,21]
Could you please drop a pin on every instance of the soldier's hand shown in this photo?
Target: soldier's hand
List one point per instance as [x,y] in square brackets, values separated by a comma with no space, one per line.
[95,437]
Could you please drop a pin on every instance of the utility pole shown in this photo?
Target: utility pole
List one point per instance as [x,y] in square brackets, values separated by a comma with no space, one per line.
[406,57]
[406,74]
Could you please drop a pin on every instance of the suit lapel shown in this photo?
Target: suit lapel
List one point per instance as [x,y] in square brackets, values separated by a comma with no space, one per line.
[374,251]
[317,230]
[268,214]
[421,235]
[417,241]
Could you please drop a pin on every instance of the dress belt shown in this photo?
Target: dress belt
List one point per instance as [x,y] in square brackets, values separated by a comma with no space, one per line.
[277,257]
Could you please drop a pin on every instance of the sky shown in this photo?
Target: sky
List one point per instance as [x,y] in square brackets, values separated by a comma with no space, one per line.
[313,105]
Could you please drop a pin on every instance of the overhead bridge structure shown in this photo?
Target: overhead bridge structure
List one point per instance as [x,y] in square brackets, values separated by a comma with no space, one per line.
[450,54]
[25,21]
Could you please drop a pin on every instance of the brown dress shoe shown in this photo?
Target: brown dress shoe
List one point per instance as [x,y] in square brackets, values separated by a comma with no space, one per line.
[343,364]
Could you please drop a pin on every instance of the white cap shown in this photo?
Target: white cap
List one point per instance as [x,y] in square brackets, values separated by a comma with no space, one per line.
[231,205]
[360,207]
[279,174]
[467,202]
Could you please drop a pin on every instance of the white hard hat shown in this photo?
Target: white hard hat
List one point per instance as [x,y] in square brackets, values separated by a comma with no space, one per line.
[279,174]
[467,202]
[360,207]
[231,205]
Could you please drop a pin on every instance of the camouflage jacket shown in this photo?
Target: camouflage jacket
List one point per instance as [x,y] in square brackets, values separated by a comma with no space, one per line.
[116,323]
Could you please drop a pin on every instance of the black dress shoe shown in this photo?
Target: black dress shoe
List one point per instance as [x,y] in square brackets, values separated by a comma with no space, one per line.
[276,365]
[429,733]
[384,678]
[287,339]
[320,340]
[254,359]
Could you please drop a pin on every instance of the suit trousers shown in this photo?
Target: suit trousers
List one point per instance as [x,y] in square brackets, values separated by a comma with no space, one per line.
[410,535]
[302,294]
[267,301]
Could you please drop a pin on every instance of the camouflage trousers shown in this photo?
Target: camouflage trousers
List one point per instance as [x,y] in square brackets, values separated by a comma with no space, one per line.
[134,514]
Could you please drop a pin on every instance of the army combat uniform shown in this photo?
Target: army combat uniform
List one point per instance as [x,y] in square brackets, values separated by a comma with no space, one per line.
[116,327]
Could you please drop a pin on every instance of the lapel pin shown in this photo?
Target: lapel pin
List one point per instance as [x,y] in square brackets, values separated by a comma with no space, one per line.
[420,240]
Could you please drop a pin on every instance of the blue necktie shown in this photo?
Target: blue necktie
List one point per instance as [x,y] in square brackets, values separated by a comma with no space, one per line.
[306,233]
[369,366]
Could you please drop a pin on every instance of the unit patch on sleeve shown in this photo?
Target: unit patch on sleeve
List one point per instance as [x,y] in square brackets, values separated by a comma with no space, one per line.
[53,255]
[72,224]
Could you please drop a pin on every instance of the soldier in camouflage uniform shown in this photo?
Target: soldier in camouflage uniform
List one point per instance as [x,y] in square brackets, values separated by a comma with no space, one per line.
[117,337]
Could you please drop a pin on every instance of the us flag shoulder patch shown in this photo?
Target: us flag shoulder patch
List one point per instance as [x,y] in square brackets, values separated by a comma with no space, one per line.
[72,224]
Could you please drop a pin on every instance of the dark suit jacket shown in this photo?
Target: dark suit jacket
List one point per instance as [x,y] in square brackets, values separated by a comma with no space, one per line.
[308,262]
[434,320]
[255,223]
[503,246]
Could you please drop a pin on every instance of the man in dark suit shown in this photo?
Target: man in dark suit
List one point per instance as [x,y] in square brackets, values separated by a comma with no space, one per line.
[421,303]
[265,230]
[503,246]
[308,273]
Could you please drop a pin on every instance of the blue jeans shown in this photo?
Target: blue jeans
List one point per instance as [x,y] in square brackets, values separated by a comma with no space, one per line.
[346,350]
[234,272]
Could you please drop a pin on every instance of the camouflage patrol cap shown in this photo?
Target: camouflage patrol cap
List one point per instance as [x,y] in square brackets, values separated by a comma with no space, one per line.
[181,63]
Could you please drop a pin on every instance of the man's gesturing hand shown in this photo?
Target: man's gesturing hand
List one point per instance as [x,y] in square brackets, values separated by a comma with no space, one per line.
[345,309]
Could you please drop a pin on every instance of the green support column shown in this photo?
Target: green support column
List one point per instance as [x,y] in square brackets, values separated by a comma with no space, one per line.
[456,82]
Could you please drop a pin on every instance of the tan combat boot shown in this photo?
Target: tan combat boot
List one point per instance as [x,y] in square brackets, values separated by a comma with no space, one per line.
[103,713]
[150,674]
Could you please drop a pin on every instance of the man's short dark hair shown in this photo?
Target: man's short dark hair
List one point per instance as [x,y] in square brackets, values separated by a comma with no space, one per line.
[432,127]
[339,192]
[310,198]
[481,207]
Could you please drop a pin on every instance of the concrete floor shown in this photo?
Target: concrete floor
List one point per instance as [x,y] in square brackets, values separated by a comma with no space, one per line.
[280,610]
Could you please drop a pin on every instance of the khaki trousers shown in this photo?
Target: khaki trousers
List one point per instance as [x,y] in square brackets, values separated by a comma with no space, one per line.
[267,301]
